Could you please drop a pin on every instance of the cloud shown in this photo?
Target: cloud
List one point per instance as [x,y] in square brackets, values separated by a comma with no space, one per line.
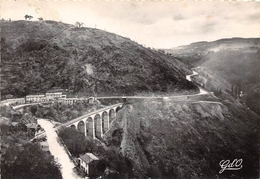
[45,10]
[178,18]
[157,24]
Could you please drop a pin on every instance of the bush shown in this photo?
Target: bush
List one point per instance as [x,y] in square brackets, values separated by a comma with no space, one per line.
[31,162]
[75,141]
[153,172]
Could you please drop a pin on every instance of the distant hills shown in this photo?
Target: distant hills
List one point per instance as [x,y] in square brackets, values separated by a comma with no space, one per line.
[199,49]
[235,62]
[41,55]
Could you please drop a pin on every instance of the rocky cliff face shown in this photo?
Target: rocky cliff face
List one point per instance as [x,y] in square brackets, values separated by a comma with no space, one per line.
[186,139]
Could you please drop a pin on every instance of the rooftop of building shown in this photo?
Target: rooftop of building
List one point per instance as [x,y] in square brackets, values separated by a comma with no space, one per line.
[88,157]
[36,95]
[32,125]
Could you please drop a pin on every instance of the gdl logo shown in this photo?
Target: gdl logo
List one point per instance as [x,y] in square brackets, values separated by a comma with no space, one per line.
[227,165]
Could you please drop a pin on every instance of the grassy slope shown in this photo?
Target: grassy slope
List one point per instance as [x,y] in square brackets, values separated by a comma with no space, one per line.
[186,140]
[37,56]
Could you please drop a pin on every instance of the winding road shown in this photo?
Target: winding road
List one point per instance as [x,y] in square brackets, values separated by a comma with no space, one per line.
[58,151]
[188,77]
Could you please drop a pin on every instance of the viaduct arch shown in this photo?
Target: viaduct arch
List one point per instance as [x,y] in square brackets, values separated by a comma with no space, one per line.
[96,123]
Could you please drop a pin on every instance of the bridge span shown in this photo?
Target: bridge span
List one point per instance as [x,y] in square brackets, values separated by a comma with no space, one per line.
[96,123]
[93,124]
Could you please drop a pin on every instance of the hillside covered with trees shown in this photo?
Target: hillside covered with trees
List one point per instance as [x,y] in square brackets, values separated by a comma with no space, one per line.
[40,55]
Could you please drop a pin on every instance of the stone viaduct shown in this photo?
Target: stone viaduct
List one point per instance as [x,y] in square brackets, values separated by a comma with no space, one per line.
[96,123]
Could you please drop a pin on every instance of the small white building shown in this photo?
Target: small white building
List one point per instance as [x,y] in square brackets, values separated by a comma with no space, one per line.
[69,101]
[53,95]
[87,163]
[35,98]
[44,146]
[91,100]
[16,101]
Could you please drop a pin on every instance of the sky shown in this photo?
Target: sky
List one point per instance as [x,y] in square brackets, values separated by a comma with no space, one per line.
[156,24]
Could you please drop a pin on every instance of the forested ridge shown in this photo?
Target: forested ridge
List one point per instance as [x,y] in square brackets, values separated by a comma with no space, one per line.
[39,56]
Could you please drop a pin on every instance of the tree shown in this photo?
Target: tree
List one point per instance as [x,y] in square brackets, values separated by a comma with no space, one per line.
[75,141]
[40,19]
[51,113]
[218,91]
[79,24]
[33,110]
[31,162]
[238,91]
[28,17]
[235,92]
[80,108]
[153,172]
